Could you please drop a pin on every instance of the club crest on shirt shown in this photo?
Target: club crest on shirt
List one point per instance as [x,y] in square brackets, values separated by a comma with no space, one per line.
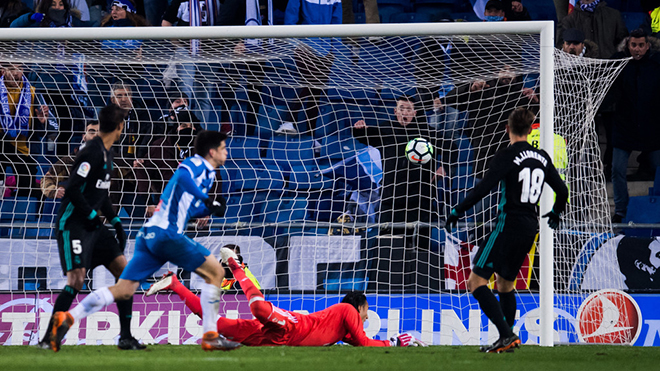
[84,169]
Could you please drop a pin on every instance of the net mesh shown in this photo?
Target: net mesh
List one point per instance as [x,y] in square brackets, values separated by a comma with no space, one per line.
[317,204]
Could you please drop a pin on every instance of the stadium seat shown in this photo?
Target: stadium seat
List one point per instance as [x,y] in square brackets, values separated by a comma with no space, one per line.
[336,148]
[270,118]
[244,207]
[435,9]
[411,18]
[252,175]
[633,20]
[19,209]
[289,151]
[308,178]
[285,209]
[246,148]
[49,210]
[330,120]
[463,181]
[465,153]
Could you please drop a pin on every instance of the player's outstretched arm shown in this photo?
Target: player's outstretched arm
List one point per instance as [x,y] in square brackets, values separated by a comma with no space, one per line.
[356,335]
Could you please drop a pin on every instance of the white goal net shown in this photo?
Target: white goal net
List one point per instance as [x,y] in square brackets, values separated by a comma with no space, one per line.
[321,197]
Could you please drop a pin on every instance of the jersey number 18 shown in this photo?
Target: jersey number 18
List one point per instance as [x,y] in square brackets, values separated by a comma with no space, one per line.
[532,184]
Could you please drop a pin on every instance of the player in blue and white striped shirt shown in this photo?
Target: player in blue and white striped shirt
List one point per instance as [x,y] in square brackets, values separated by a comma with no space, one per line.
[162,239]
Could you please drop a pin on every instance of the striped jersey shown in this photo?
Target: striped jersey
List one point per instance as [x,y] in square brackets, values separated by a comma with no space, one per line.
[184,194]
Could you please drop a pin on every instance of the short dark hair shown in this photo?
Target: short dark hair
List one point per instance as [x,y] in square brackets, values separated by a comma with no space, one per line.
[208,139]
[637,33]
[520,121]
[355,298]
[109,118]
[494,5]
[406,98]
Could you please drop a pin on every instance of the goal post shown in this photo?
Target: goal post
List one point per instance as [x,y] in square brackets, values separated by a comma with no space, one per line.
[285,113]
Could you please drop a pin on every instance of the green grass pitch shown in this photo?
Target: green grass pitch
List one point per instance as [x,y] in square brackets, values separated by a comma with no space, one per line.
[189,357]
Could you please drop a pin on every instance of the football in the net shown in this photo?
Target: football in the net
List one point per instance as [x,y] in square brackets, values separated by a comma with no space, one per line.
[419,151]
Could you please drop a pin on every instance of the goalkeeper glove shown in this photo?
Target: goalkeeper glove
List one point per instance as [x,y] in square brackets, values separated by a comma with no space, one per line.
[406,340]
[216,207]
[451,220]
[93,221]
[554,219]
[121,234]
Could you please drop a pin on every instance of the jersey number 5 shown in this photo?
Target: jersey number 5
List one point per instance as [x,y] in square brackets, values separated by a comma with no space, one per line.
[532,183]
[76,247]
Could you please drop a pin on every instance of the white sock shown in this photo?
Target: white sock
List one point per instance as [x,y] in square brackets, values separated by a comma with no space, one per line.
[92,303]
[210,299]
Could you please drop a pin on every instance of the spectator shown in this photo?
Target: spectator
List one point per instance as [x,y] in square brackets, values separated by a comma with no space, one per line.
[163,158]
[489,104]
[651,22]
[515,11]
[23,120]
[166,153]
[10,10]
[576,44]
[138,128]
[82,7]
[123,14]
[408,192]
[505,10]
[599,23]
[54,181]
[193,77]
[494,11]
[314,58]
[133,144]
[370,11]
[178,102]
[636,124]
[154,10]
[178,14]
[55,13]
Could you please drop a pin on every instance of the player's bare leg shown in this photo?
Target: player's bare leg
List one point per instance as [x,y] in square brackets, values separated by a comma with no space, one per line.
[212,272]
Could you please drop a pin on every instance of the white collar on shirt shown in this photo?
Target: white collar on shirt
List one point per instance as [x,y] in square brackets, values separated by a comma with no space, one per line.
[205,162]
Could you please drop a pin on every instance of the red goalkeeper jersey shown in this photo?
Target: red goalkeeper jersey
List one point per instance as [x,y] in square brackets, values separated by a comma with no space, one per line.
[326,327]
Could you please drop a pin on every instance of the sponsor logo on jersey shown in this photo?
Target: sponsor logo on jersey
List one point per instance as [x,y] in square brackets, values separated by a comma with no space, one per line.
[103,184]
[83,169]
[609,317]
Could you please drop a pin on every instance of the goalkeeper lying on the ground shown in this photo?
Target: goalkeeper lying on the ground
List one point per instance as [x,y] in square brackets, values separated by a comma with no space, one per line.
[275,326]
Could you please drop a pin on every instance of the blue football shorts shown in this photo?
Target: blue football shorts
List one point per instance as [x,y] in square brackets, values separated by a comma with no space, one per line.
[155,246]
